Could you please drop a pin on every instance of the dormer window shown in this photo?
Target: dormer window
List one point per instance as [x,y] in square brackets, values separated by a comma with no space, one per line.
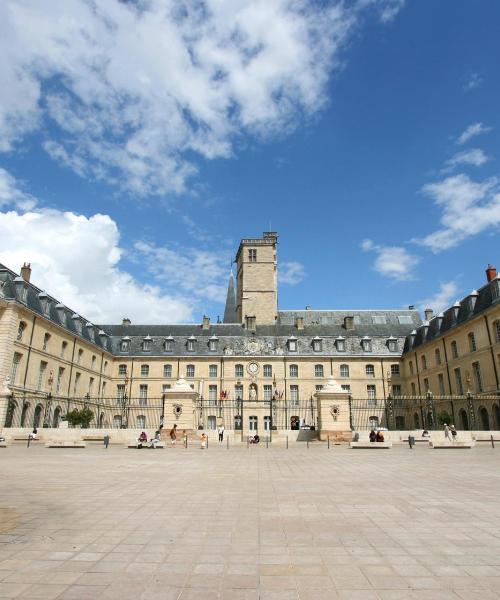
[292,344]
[366,344]
[45,303]
[168,344]
[147,343]
[78,323]
[340,344]
[212,343]
[392,344]
[90,331]
[125,344]
[191,344]
[61,311]
[317,344]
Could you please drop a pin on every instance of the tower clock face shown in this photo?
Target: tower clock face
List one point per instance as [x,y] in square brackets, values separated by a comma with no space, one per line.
[253,368]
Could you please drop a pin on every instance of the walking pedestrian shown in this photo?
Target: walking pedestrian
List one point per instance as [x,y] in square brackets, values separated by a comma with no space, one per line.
[106,441]
[184,438]
[453,432]
[220,430]
[447,433]
[173,434]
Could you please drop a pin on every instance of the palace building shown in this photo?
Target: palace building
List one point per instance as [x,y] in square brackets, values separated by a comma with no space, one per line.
[261,369]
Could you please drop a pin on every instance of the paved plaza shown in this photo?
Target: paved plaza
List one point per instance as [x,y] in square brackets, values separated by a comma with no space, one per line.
[242,524]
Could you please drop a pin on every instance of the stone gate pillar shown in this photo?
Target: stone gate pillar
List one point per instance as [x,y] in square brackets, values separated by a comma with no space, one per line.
[334,414]
[180,406]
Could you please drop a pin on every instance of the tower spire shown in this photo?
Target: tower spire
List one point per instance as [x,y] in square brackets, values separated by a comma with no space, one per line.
[230,310]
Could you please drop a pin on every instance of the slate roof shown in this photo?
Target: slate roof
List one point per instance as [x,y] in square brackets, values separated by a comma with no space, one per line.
[462,311]
[232,338]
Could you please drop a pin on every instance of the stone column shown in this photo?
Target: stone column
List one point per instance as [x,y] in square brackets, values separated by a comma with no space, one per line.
[180,407]
[334,416]
[5,396]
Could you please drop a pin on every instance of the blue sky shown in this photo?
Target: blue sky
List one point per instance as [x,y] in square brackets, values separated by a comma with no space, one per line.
[139,143]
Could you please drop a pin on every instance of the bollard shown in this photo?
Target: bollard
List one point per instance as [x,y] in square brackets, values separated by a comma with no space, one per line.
[328,442]
[308,444]
[411,441]
[267,442]
[287,442]
[492,441]
[29,439]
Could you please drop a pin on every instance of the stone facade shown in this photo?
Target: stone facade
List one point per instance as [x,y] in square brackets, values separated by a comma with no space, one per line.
[260,354]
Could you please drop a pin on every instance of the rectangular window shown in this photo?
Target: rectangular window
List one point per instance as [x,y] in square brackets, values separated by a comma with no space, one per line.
[472,342]
[441,384]
[212,394]
[77,383]
[238,392]
[143,394]
[437,354]
[103,391]
[395,372]
[252,255]
[46,339]
[15,364]
[190,371]
[122,370]
[370,370]
[497,331]
[318,371]
[319,387]
[64,345]
[268,393]
[93,362]
[317,345]
[294,395]
[424,363]
[459,386]
[91,386]
[340,344]
[478,379]
[410,365]
[405,319]
[379,320]
[346,388]
[120,391]
[426,385]
[292,345]
[212,371]
[167,371]
[238,370]
[454,349]
[268,371]
[294,370]
[190,346]
[79,357]
[344,370]
[144,370]
[141,422]
[366,345]
[396,391]
[41,375]
[371,392]
[165,387]
[212,345]
[60,375]
[169,344]
[413,390]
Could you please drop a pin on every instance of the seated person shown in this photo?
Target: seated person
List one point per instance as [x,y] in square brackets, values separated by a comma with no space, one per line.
[373,435]
[379,437]
[156,440]
[143,437]
[34,434]
[256,438]
[425,433]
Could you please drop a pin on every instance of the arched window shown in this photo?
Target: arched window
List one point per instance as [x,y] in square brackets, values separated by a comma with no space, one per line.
[189,370]
[167,371]
[472,342]
[37,417]
[238,370]
[294,370]
[437,355]
[56,419]
[344,370]
[20,331]
[370,370]
[268,370]
[26,407]
[319,371]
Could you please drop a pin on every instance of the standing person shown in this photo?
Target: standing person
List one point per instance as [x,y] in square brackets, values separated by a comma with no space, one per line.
[220,430]
[447,433]
[453,432]
[203,441]
[106,441]
[173,434]
[184,438]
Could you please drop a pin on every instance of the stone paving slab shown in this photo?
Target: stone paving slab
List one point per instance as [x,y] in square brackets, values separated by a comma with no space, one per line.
[257,523]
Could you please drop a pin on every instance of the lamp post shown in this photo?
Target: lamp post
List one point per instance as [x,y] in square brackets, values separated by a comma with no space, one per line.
[124,405]
[48,401]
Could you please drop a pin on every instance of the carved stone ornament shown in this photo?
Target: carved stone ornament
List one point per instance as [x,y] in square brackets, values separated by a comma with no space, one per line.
[335,411]
[177,410]
[228,351]
[253,346]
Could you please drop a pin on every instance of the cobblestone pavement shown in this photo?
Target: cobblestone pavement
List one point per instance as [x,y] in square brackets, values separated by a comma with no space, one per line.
[236,524]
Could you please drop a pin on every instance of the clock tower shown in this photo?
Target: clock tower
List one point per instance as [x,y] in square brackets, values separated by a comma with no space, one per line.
[257,280]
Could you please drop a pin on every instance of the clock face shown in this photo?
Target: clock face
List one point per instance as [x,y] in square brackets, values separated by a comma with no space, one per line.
[253,368]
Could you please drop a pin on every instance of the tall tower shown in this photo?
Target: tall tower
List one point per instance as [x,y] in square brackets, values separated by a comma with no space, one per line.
[257,289]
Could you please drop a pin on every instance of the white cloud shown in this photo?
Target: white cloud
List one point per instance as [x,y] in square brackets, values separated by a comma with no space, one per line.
[472,82]
[475,157]
[468,208]
[442,299]
[394,262]
[291,273]
[76,260]
[130,92]
[471,131]
[199,273]
[11,194]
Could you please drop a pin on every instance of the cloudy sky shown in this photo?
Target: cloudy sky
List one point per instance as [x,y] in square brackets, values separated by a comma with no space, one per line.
[140,140]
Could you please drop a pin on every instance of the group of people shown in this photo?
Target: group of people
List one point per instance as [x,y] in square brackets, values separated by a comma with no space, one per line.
[450,433]
[376,436]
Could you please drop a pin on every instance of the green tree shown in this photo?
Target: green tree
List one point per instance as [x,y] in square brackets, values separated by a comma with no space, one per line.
[444,417]
[80,418]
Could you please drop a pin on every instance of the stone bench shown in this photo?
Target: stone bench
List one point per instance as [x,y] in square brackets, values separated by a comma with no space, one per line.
[65,444]
[146,445]
[442,445]
[93,438]
[3,444]
[24,438]
[370,445]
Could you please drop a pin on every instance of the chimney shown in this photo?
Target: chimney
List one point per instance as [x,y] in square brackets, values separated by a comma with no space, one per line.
[299,322]
[206,322]
[126,322]
[349,323]
[411,307]
[26,272]
[491,273]
[429,313]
